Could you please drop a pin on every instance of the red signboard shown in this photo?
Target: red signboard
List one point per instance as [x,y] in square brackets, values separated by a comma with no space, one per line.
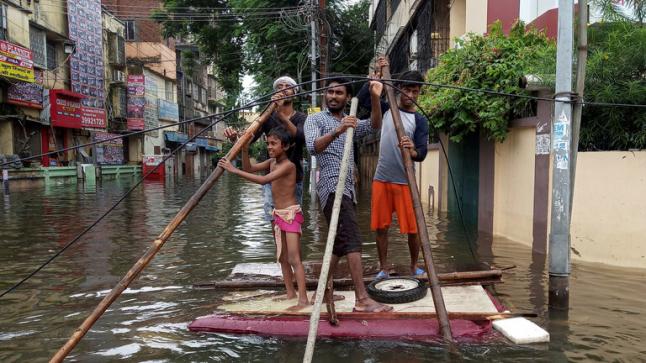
[66,109]
[92,118]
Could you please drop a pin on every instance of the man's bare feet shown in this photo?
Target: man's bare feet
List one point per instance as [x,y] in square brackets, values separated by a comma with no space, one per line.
[367,305]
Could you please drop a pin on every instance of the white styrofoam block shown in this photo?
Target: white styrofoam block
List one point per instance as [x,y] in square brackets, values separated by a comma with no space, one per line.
[521,331]
[266,269]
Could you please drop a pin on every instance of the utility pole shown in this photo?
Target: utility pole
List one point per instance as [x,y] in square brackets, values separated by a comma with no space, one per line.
[323,43]
[313,165]
[559,241]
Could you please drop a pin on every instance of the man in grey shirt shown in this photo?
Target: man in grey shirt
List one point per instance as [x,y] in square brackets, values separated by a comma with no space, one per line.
[390,191]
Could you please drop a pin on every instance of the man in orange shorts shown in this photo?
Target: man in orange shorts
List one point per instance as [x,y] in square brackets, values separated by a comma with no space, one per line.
[390,191]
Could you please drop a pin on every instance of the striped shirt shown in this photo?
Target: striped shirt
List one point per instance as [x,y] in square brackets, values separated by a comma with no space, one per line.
[329,160]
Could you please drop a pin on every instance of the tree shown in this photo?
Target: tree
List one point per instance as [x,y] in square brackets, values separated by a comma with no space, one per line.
[610,10]
[493,62]
[268,39]
[352,45]
[616,73]
[213,26]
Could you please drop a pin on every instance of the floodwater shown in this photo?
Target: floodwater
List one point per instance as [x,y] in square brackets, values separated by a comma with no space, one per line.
[148,323]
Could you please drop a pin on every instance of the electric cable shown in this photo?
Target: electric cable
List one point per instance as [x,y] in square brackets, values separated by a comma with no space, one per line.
[123,197]
[105,214]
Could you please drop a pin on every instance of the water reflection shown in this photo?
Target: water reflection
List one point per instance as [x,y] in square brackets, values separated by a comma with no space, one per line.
[148,322]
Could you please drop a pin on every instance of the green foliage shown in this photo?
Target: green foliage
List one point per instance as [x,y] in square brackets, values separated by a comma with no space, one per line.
[610,10]
[493,62]
[220,41]
[268,46]
[616,73]
[352,44]
[274,46]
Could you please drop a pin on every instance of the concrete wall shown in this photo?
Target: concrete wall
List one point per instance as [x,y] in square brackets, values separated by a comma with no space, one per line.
[609,210]
[135,150]
[514,186]
[146,30]
[457,20]
[476,16]
[428,174]
[6,137]
[157,51]
[17,26]
[50,14]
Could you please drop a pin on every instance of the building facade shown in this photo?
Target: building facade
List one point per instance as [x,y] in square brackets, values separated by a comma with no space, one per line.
[55,88]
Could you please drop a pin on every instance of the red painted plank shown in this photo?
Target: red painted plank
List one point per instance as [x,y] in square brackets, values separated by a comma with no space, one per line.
[404,329]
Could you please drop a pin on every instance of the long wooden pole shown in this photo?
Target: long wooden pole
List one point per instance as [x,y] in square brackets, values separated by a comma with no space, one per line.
[422,233]
[331,235]
[157,243]
[393,315]
[446,279]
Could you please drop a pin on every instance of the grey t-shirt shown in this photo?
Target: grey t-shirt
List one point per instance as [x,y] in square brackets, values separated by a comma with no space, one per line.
[390,166]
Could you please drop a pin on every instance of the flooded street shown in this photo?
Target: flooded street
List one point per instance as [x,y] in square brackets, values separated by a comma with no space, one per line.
[148,323]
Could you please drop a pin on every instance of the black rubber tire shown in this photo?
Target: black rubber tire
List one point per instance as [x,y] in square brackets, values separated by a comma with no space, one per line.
[394,295]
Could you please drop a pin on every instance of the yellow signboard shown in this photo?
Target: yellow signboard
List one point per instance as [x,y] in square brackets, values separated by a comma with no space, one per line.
[313,110]
[16,62]
[15,72]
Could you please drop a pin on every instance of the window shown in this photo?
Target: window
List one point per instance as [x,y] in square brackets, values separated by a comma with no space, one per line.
[37,41]
[130,30]
[52,62]
[117,49]
[168,87]
[3,21]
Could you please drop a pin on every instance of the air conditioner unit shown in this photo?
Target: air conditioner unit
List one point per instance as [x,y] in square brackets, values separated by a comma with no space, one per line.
[118,76]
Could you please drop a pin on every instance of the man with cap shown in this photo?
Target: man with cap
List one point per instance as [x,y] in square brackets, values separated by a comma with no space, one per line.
[293,122]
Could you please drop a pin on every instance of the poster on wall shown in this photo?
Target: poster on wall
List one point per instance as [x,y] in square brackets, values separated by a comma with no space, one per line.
[168,111]
[86,64]
[108,152]
[136,102]
[151,118]
[27,94]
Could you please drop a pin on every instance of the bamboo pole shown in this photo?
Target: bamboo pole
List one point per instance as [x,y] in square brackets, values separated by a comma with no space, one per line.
[436,291]
[157,243]
[331,235]
[446,279]
[397,315]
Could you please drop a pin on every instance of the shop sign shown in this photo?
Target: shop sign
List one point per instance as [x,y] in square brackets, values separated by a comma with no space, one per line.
[108,152]
[136,102]
[16,62]
[93,118]
[27,94]
[168,111]
[66,109]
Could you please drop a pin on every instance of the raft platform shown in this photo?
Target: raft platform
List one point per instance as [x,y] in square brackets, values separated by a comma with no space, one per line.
[471,310]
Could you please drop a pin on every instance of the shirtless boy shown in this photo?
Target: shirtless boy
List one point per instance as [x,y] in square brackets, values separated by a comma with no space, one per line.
[288,216]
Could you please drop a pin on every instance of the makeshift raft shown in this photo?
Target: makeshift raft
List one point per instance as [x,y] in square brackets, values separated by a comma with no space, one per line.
[471,308]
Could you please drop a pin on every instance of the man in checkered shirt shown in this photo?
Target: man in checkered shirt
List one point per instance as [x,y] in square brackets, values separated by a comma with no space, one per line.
[325,137]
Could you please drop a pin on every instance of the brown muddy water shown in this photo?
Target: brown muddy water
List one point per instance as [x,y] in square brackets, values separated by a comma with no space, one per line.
[606,321]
